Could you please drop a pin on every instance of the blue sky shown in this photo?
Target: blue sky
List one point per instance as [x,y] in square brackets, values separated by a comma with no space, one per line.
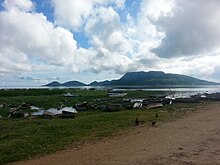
[94,40]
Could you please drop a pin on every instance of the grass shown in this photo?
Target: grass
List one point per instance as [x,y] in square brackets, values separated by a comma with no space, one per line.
[26,138]
[21,139]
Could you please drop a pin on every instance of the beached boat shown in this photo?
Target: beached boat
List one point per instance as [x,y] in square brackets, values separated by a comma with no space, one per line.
[52,113]
[64,112]
[70,95]
[213,96]
[113,107]
[154,105]
[68,112]
[137,100]
[137,105]
[116,93]
[82,106]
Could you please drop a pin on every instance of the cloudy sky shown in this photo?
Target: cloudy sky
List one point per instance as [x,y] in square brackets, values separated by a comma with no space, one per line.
[86,40]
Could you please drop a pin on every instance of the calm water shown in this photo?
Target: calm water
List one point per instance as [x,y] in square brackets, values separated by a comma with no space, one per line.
[197,88]
[182,91]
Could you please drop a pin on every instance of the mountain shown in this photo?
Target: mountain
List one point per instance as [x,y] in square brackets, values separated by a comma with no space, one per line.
[53,84]
[153,78]
[66,84]
[73,83]
[103,83]
[142,79]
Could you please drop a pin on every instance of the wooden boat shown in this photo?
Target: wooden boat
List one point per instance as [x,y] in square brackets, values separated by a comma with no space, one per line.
[154,105]
[52,113]
[70,95]
[81,106]
[116,93]
[69,112]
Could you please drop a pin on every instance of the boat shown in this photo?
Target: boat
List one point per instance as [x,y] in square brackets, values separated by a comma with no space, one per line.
[113,107]
[81,106]
[52,113]
[154,105]
[116,93]
[70,95]
[137,100]
[68,112]
[137,105]
[64,112]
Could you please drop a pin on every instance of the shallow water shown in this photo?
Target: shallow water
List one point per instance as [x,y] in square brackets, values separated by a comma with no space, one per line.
[171,88]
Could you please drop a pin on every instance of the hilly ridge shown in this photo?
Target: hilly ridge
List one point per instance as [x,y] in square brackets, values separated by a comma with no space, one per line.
[142,79]
[66,84]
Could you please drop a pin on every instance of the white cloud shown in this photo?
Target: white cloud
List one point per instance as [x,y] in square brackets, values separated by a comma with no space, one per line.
[193,28]
[22,5]
[154,9]
[202,67]
[105,30]
[42,45]
[73,13]
[109,42]
[13,60]
[28,36]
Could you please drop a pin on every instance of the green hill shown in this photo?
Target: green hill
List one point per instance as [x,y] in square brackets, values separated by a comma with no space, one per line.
[154,78]
[66,84]
[141,79]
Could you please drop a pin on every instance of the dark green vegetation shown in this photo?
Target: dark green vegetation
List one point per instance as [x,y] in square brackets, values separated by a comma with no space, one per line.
[25,138]
[143,78]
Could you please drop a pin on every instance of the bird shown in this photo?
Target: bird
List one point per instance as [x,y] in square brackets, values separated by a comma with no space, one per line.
[137,122]
[153,123]
[156,115]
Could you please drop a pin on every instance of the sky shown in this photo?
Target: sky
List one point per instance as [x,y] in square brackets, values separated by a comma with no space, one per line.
[95,40]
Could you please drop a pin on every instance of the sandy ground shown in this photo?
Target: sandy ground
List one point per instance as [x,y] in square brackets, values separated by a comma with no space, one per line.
[193,139]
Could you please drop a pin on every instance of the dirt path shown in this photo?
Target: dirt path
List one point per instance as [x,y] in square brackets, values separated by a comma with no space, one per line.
[194,139]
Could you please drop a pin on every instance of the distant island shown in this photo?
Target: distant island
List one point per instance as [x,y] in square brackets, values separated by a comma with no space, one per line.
[66,84]
[151,78]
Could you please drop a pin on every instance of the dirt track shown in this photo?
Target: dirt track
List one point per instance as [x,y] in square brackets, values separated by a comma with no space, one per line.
[194,139]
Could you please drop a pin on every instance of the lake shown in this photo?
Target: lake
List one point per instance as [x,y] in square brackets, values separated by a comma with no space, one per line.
[171,88]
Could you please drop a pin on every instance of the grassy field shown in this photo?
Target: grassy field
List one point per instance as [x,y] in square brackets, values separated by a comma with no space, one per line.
[26,138]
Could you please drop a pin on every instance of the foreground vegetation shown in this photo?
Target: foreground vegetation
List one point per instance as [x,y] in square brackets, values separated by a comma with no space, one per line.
[26,138]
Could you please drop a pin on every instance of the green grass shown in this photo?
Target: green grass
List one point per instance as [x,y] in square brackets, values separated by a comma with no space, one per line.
[27,138]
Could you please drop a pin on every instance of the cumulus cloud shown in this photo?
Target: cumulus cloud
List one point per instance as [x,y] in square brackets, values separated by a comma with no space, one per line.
[104,30]
[27,36]
[110,48]
[22,5]
[37,44]
[75,13]
[192,28]
[109,40]
[13,60]
[202,67]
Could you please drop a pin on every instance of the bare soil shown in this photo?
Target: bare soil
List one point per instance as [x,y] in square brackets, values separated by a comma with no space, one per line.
[192,139]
